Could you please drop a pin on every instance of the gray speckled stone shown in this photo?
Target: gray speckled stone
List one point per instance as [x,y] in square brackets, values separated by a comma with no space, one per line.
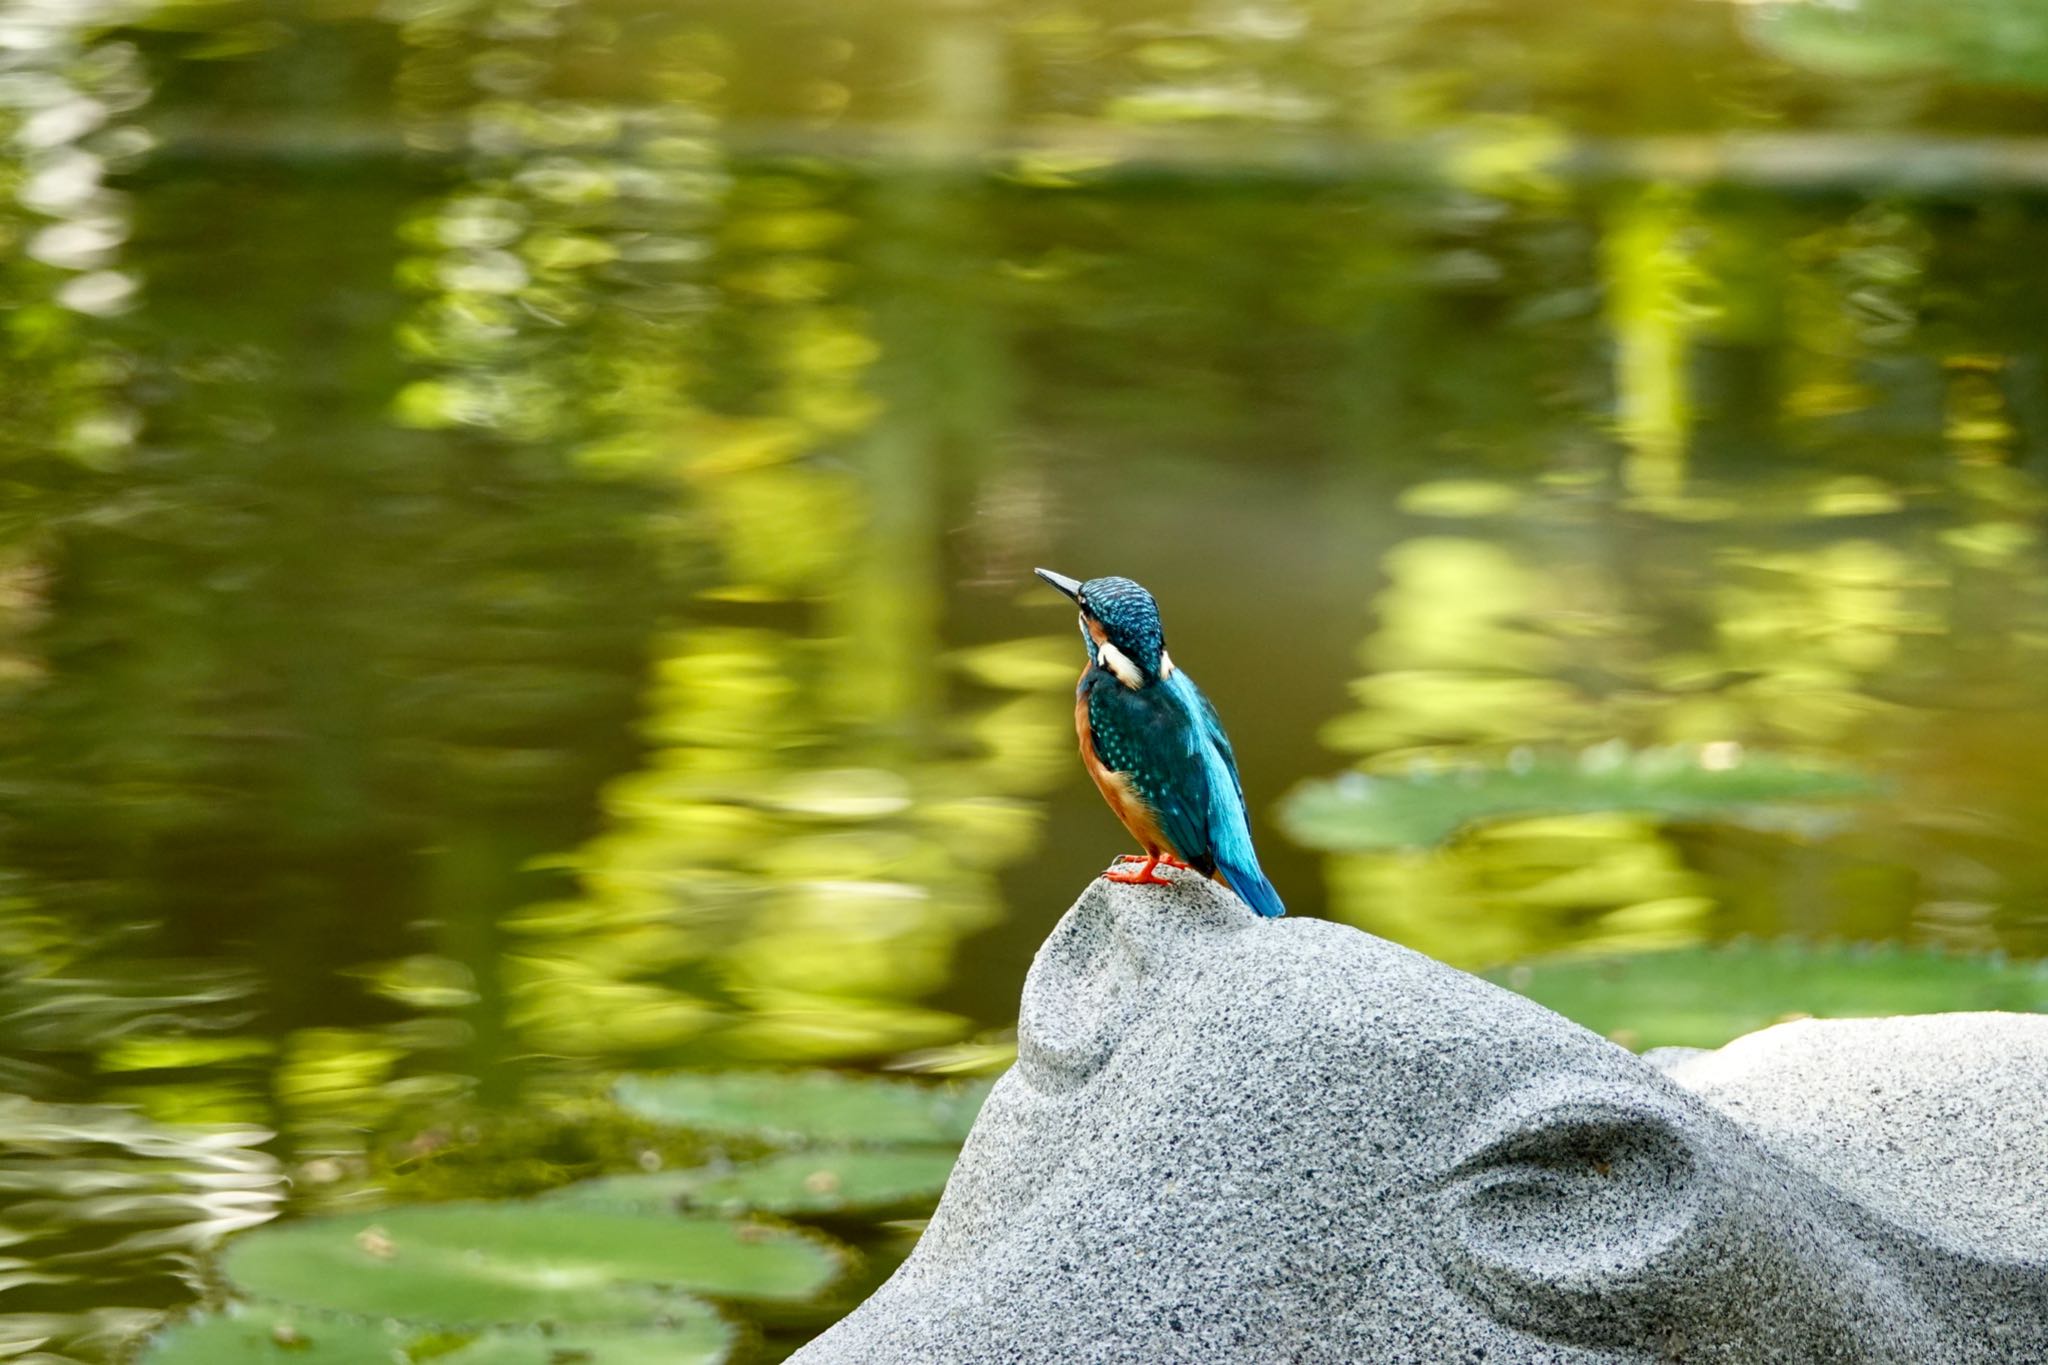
[1228,1139]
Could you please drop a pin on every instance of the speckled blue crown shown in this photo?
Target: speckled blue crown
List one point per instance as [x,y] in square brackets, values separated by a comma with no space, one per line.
[1128,615]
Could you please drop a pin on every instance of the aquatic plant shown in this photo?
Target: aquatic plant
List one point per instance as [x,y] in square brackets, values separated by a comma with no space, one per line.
[1703,997]
[621,1269]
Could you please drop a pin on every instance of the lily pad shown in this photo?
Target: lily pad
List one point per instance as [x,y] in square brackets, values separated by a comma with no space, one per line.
[258,1334]
[1427,806]
[808,1106]
[478,1265]
[814,1181]
[702,1342]
[1703,997]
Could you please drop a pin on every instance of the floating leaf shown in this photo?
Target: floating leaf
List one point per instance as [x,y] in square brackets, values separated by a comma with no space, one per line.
[253,1334]
[808,1182]
[703,1341]
[1703,997]
[815,1106]
[272,1335]
[653,1192]
[474,1264]
[1426,806]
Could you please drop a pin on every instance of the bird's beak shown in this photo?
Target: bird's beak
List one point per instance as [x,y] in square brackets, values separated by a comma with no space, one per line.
[1070,586]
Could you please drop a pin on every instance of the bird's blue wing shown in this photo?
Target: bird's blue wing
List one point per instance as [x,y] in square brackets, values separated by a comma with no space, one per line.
[1224,832]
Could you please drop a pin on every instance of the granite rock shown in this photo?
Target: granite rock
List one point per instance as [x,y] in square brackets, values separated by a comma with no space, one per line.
[1228,1139]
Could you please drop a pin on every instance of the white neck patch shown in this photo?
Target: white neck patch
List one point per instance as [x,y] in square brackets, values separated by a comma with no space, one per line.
[1119,663]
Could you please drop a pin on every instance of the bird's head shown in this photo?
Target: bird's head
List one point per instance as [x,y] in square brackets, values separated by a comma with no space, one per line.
[1120,623]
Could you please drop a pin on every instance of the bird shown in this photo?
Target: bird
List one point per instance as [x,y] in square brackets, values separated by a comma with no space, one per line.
[1156,749]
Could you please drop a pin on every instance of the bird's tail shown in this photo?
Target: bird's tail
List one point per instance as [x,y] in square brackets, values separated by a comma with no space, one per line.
[1252,888]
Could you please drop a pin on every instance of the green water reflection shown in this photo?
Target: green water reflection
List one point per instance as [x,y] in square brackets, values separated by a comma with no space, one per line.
[518,513]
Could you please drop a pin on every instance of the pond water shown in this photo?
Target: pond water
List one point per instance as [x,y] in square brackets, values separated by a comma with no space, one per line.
[516,556]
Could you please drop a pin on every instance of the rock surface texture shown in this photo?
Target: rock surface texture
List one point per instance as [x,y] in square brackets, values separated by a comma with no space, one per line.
[1235,1140]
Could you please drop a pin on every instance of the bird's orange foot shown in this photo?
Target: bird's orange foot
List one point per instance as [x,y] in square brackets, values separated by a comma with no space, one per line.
[1144,876]
[1166,859]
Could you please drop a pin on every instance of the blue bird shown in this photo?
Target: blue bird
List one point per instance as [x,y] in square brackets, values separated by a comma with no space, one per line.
[1155,747]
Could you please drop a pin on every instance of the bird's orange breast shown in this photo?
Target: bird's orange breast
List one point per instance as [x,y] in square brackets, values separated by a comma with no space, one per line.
[1128,806]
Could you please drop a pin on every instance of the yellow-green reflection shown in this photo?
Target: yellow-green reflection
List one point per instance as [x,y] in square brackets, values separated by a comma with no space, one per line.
[1684,616]
[1648,273]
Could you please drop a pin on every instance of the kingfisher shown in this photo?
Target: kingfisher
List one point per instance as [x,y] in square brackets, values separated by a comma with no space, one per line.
[1156,749]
